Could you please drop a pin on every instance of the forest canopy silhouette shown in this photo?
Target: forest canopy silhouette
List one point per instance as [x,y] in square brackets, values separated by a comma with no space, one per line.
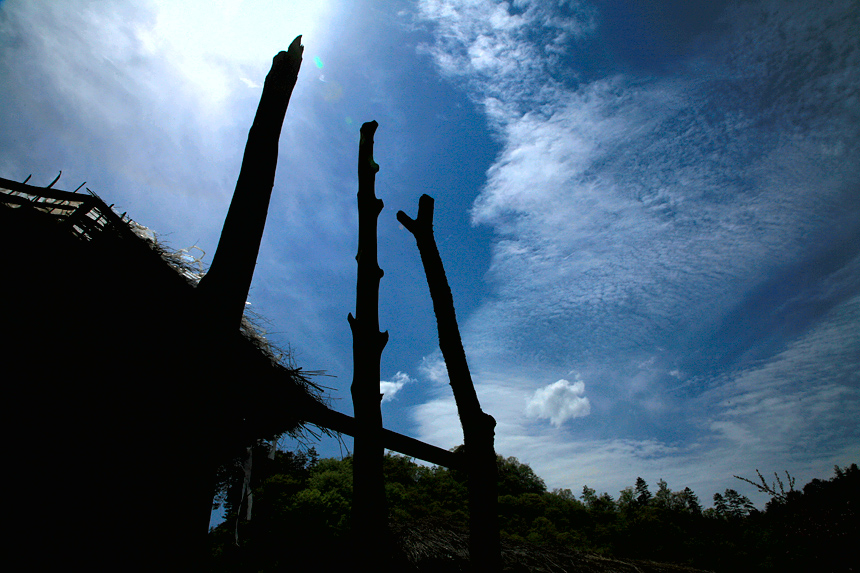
[302,503]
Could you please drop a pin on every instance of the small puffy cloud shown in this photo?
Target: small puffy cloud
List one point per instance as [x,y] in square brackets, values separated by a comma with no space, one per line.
[388,388]
[559,401]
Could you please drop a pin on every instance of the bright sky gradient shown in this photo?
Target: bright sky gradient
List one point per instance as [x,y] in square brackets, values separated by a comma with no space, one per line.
[649,211]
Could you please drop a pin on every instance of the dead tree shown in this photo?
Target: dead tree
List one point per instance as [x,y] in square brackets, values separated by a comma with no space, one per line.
[224,289]
[478,427]
[368,507]
[225,286]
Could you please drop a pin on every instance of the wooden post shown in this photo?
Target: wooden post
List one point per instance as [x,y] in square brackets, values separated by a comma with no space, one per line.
[226,284]
[369,516]
[478,427]
[223,291]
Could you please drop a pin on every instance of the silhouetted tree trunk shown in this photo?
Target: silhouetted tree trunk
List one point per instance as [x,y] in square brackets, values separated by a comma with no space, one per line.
[226,284]
[222,292]
[478,427]
[368,506]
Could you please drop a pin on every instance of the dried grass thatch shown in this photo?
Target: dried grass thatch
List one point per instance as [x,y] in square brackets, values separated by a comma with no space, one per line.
[110,359]
[432,546]
[89,219]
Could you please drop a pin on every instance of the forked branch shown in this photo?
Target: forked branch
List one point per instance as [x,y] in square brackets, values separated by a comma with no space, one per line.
[478,427]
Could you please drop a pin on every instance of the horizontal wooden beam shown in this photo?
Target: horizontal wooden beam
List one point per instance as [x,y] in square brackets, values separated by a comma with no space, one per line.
[313,413]
[338,422]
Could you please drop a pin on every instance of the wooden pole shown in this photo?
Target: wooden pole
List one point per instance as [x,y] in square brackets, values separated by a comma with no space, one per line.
[478,427]
[223,291]
[226,284]
[369,514]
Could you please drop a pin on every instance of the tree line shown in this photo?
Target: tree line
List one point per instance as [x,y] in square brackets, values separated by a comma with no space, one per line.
[301,508]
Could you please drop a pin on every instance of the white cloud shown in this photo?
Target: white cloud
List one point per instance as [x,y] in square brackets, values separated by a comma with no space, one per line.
[438,422]
[493,50]
[559,402]
[635,213]
[656,202]
[798,397]
[433,368]
[389,388]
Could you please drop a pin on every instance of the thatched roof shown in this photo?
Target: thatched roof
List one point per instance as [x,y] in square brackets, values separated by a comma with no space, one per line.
[46,224]
[113,366]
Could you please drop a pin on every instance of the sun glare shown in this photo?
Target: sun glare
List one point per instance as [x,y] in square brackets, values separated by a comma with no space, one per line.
[208,42]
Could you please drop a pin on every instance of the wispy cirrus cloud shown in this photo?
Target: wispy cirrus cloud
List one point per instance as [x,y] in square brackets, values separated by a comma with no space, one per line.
[804,395]
[433,368]
[501,50]
[666,234]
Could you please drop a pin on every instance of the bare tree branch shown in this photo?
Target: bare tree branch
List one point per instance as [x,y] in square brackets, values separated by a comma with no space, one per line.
[478,427]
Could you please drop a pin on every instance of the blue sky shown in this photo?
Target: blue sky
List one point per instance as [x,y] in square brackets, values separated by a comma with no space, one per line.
[649,212]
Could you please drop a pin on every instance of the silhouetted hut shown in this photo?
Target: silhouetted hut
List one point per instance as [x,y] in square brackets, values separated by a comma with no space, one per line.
[121,397]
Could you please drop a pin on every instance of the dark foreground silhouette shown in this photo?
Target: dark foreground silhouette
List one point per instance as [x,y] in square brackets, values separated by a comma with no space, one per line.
[126,386]
[302,505]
